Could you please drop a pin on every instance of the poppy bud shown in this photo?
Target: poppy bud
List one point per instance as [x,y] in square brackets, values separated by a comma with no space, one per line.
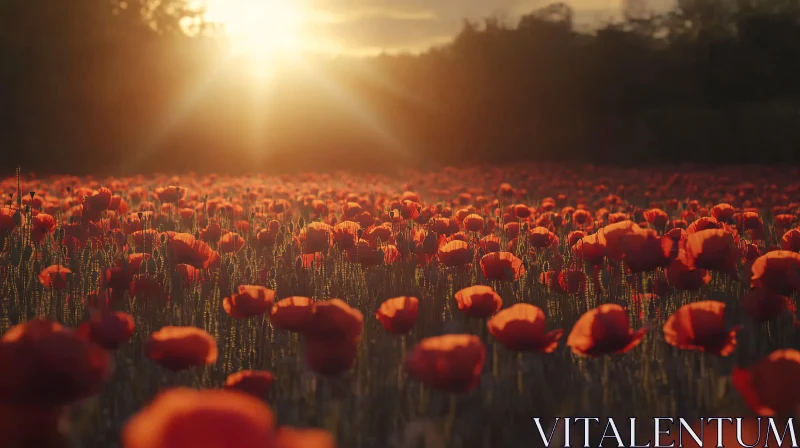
[360,233]
[301,222]
[291,227]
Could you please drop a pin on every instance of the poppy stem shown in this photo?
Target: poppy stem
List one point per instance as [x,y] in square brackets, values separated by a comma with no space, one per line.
[451,418]
[604,383]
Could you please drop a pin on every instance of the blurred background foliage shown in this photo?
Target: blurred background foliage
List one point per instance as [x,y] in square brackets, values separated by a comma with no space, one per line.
[92,86]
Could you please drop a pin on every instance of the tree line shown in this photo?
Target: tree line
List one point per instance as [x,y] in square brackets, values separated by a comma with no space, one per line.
[146,85]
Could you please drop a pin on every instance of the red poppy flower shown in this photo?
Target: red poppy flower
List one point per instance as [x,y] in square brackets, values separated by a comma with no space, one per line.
[250,301]
[45,364]
[656,217]
[777,271]
[473,223]
[540,237]
[364,254]
[712,249]
[455,253]
[42,225]
[681,277]
[478,301]
[610,237]
[55,277]
[450,363]
[643,251]
[330,356]
[181,348]
[230,243]
[288,437]
[503,266]
[345,234]
[723,212]
[770,387]
[108,329]
[762,305]
[572,281]
[254,382]
[207,418]
[335,319]
[589,249]
[292,313]
[521,327]
[398,315]
[604,330]
[791,240]
[701,326]
[170,194]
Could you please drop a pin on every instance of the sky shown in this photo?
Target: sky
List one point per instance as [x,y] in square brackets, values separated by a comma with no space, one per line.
[371,26]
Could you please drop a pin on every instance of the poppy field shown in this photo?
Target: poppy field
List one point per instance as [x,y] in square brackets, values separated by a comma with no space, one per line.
[435,309]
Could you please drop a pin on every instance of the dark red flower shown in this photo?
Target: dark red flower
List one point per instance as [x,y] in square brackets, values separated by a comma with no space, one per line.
[450,363]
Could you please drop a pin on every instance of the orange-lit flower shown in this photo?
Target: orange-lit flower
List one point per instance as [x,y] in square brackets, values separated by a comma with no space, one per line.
[656,217]
[712,249]
[473,223]
[251,300]
[521,327]
[180,348]
[345,234]
[791,240]
[503,266]
[254,382]
[208,418]
[643,251]
[770,387]
[292,313]
[777,271]
[230,243]
[589,249]
[540,237]
[479,301]
[399,314]
[604,330]
[701,326]
[288,437]
[42,225]
[335,319]
[455,253]
[55,277]
[170,194]
[450,363]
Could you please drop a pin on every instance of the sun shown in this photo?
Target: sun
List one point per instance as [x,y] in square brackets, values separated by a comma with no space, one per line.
[263,30]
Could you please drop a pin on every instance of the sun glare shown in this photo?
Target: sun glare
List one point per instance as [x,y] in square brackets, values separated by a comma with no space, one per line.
[264,31]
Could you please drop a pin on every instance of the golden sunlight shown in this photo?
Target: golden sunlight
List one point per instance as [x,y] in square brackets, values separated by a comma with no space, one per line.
[264,31]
